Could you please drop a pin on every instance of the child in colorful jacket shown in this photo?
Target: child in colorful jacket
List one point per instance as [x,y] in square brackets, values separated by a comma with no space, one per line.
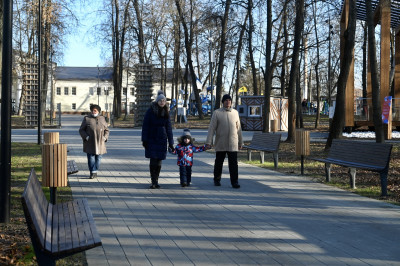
[185,150]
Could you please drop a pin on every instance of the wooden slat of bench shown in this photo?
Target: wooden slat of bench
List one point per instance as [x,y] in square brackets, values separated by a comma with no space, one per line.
[62,236]
[49,237]
[260,148]
[68,235]
[93,230]
[79,225]
[55,227]
[351,165]
[88,236]
[35,207]
[72,225]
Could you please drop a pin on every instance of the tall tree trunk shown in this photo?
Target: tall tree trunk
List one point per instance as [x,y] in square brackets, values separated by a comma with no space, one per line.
[239,55]
[299,115]
[284,54]
[294,70]
[336,128]
[376,97]
[140,35]
[250,45]
[267,74]
[364,70]
[188,46]
[316,67]
[222,54]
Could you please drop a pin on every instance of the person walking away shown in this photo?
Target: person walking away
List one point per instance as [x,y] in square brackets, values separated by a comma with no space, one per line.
[225,125]
[94,133]
[185,150]
[156,134]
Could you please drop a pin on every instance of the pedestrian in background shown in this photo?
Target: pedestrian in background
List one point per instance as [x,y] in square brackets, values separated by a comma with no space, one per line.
[156,134]
[94,133]
[185,150]
[225,125]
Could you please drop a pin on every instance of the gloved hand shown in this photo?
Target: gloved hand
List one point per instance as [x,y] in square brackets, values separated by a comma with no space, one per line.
[87,138]
[171,147]
[144,143]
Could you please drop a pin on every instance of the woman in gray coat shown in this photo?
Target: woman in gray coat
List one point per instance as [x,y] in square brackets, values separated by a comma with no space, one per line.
[94,132]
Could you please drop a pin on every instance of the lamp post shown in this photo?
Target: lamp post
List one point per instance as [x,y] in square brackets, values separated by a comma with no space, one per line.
[98,85]
[6,84]
[39,74]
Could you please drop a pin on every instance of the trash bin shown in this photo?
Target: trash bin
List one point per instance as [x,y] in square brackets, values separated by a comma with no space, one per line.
[54,165]
[302,145]
[52,137]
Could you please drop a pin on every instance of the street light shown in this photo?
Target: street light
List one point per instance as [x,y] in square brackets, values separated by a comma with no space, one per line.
[98,85]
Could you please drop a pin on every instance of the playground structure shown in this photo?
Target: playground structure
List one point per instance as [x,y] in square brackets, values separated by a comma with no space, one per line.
[387,14]
[251,112]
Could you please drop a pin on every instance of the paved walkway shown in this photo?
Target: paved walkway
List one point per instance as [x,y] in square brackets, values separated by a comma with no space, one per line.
[273,219]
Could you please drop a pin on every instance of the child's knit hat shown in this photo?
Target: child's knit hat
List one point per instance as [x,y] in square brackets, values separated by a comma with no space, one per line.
[185,134]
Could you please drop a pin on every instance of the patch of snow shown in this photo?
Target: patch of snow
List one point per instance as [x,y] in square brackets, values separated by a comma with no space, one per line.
[369,135]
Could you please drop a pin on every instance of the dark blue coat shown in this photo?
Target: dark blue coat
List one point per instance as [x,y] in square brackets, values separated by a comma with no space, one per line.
[156,132]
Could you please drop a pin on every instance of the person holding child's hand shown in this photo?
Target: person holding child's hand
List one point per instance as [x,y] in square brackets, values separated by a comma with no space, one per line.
[185,150]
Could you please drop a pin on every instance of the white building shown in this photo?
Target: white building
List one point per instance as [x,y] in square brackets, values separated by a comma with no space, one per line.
[75,88]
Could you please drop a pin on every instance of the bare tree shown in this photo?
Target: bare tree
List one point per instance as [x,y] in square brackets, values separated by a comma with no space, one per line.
[336,128]
[267,73]
[250,46]
[317,65]
[294,70]
[188,46]
[220,70]
[376,98]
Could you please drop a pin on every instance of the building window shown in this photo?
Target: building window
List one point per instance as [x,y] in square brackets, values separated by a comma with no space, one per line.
[254,111]
[91,90]
[65,90]
[73,91]
[74,106]
[124,91]
[58,91]
[132,91]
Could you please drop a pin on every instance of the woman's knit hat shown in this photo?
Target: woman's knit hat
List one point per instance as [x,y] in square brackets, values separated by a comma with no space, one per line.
[160,96]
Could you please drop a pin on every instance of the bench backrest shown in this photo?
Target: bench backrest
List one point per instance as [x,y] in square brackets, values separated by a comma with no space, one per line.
[266,140]
[35,207]
[361,152]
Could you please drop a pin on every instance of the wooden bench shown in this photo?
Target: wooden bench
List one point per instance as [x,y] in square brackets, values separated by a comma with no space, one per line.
[72,168]
[264,142]
[370,156]
[59,230]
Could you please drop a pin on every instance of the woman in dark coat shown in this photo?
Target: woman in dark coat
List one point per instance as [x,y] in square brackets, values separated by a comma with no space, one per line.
[94,133]
[156,135]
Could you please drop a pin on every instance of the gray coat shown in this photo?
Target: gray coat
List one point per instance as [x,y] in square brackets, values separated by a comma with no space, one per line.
[97,130]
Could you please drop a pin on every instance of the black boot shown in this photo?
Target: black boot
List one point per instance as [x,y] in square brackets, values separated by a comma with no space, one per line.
[154,173]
